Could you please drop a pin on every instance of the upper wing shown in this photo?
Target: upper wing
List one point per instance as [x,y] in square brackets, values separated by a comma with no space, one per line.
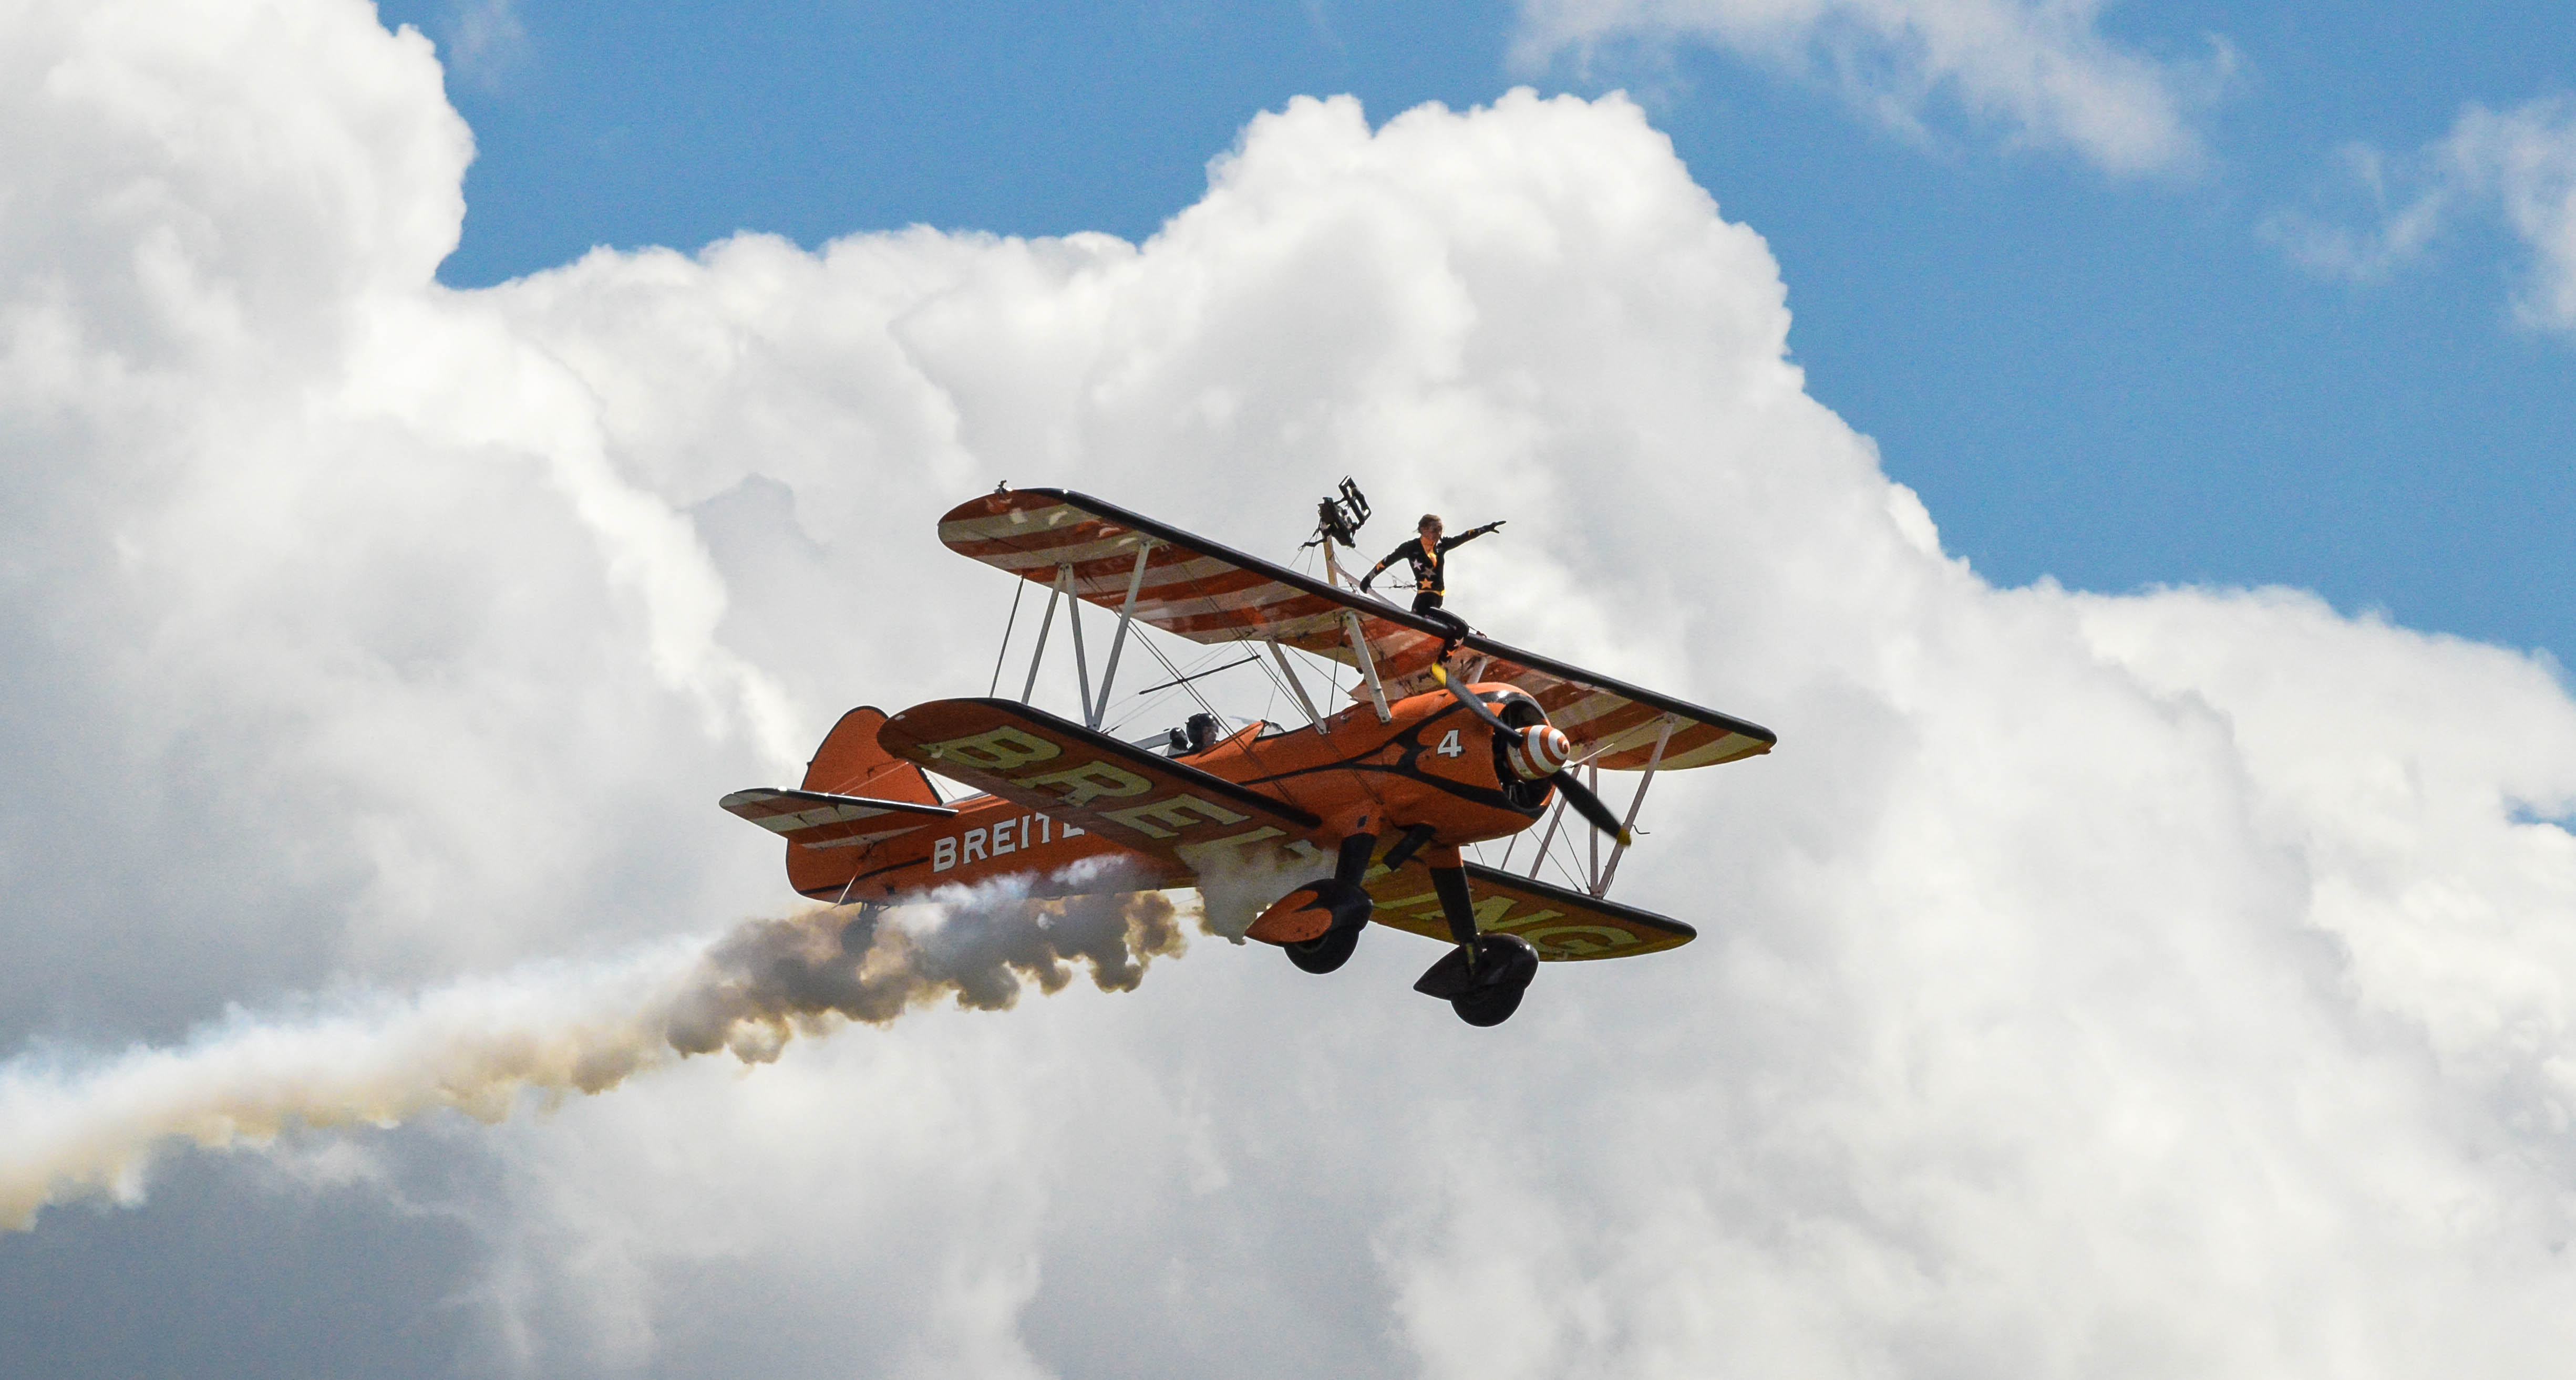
[1210,593]
[819,820]
[1192,587]
[1562,925]
[1148,803]
[1618,726]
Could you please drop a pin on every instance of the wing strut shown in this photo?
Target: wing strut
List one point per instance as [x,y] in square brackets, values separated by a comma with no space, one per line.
[1368,666]
[1118,642]
[1064,579]
[1073,620]
[1297,686]
[1602,888]
[1593,866]
[1081,663]
[1547,840]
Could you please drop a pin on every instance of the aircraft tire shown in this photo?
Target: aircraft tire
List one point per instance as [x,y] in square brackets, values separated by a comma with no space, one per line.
[1492,1006]
[1327,951]
[1492,1003]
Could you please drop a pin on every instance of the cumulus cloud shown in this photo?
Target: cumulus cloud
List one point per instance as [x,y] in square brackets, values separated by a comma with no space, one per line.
[2164,984]
[2516,166]
[2042,69]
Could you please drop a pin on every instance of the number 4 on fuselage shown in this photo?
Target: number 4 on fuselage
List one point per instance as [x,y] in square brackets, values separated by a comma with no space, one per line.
[1373,802]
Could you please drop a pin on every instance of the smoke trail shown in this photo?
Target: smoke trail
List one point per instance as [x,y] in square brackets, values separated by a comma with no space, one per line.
[71,1128]
[1236,885]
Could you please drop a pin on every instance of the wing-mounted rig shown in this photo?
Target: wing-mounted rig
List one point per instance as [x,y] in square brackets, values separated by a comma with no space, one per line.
[1386,804]
[1337,522]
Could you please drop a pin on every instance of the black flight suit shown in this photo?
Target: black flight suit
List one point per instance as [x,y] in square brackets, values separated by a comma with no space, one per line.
[1429,582]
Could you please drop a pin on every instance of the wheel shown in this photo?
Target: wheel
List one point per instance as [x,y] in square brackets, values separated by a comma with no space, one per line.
[1511,963]
[1326,951]
[1489,1006]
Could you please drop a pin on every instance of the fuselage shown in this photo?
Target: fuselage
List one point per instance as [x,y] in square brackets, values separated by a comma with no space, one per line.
[1432,763]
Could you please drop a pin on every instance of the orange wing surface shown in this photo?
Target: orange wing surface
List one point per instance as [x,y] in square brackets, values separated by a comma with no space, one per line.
[1562,925]
[1136,798]
[1209,593]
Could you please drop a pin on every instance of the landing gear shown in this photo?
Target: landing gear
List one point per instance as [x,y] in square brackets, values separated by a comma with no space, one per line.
[1490,991]
[1481,977]
[1511,963]
[1341,897]
[1485,989]
[1327,951]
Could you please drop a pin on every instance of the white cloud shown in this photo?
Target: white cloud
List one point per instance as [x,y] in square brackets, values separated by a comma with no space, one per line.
[2518,165]
[482,42]
[2525,158]
[2167,984]
[2403,218]
[2041,69]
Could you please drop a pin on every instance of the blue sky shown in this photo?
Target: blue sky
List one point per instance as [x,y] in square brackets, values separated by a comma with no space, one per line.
[2111,377]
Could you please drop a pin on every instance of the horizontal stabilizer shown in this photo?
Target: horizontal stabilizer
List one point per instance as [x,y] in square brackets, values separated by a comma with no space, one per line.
[1562,925]
[819,820]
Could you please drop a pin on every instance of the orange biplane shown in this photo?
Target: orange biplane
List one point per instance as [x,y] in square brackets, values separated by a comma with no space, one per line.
[1431,757]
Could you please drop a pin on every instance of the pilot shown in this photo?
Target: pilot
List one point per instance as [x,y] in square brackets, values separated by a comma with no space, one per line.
[1428,554]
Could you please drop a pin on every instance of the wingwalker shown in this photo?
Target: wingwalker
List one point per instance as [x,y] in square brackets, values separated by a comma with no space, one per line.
[1433,756]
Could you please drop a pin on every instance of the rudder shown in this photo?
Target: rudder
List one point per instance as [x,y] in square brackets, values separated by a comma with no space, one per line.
[850,763]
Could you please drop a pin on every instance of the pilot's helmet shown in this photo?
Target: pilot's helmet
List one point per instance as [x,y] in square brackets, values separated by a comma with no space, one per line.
[1199,736]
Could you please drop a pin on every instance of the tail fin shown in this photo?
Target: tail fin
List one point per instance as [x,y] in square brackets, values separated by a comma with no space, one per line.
[850,763]
[855,796]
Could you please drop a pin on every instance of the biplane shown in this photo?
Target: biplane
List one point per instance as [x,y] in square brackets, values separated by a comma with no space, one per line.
[1373,801]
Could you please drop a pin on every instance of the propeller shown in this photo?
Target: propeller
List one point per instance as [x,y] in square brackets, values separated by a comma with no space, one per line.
[1539,752]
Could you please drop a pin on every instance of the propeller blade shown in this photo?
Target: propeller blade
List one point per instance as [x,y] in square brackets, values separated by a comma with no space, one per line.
[1590,807]
[1474,705]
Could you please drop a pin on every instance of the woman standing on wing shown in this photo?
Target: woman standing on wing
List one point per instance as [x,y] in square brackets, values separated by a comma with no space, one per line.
[1429,555]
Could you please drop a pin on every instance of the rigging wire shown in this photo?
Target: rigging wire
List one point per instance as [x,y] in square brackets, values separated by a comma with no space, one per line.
[1572,882]
[1013,621]
[1200,675]
[1186,685]
[1158,692]
[1332,668]
[1278,688]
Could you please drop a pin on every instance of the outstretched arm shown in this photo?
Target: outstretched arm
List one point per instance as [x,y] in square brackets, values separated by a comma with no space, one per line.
[1472,533]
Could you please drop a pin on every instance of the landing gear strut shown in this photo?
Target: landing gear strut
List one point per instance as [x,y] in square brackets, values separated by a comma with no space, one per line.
[1349,906]
[1483,978]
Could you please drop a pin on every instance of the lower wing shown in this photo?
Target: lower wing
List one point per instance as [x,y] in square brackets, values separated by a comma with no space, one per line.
[1564,926]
